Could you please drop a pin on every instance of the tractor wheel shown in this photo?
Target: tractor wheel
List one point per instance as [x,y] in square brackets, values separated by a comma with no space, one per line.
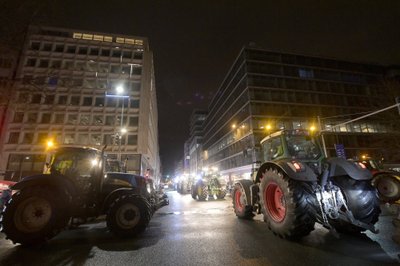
[388,186]
[193,191]
[242,210]
[33,216]
[128,215]
[362,200]
[221,194]
[202,192]
[287,205]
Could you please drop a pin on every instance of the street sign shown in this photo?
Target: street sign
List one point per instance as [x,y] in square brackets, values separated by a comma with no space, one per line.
[340,151]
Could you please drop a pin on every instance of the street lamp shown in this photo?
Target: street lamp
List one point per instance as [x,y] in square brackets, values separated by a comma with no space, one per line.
[120,94]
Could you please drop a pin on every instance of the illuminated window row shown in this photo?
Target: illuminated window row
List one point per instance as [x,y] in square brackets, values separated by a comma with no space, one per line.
[104,38]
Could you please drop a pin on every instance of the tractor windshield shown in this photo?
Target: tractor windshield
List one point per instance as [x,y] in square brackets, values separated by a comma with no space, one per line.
[302,148]
[75,163]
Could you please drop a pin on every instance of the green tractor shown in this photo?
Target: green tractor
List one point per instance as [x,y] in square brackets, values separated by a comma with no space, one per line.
[210,186]
[297,186]
[76,188]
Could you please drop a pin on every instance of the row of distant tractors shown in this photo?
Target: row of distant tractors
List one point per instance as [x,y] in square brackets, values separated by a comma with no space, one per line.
[298,186]
[209,186]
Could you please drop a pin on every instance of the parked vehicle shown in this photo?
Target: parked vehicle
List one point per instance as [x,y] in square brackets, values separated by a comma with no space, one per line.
[75,189]
[297,186]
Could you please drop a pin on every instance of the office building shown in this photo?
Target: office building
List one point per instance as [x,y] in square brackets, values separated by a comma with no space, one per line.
[266,91]
[82,88]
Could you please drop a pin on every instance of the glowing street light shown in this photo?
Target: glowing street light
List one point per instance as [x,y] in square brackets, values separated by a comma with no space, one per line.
[120,94]
[49,144]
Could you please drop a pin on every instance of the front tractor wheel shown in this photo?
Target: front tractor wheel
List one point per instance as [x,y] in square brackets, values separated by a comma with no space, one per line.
[128,215]
[202,192]
[240,205]
[287,205]
[33,216]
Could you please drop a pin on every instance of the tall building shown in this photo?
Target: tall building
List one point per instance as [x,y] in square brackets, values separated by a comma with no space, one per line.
[195,142]
[8,65]
[266,91]
[77,87]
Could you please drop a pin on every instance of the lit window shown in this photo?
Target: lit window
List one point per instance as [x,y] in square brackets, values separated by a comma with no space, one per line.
[98,37]
[77,35]
[139,42]
[130,41]
[87,36]
[120,40]
[107,38]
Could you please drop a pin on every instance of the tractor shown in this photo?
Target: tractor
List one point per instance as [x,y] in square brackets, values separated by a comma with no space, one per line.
[297,186]
[209,186]
[75,188]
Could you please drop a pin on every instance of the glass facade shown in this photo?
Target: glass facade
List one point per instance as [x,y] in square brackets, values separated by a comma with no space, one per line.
[266,91]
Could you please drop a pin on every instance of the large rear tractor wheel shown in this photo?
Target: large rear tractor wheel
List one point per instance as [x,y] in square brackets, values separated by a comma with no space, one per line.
[202,192]
[240,205]
[362,200]
[33,216]
[128,215]
[287,205]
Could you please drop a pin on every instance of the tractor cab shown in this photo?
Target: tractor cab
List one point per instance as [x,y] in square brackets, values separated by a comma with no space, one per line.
[291,144]
[83,166]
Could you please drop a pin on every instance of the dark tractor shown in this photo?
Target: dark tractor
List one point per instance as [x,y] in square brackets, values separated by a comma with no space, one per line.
[75,189]
[297,186]
[209,186]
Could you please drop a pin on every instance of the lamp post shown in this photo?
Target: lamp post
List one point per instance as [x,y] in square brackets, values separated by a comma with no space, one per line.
[120,94]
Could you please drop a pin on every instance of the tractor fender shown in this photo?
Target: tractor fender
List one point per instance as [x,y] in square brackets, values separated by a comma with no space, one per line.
[59,182]
[306,174]
[341,167]
[117,193]
[246,186]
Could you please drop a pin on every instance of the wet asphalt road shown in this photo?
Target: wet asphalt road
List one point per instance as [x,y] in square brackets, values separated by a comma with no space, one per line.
[188,232]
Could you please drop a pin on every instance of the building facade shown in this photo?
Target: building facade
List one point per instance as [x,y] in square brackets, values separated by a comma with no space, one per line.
[195,142]
[82,88]
[267,91]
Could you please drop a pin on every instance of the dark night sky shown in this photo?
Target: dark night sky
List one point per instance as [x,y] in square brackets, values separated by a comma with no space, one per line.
[195,42]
